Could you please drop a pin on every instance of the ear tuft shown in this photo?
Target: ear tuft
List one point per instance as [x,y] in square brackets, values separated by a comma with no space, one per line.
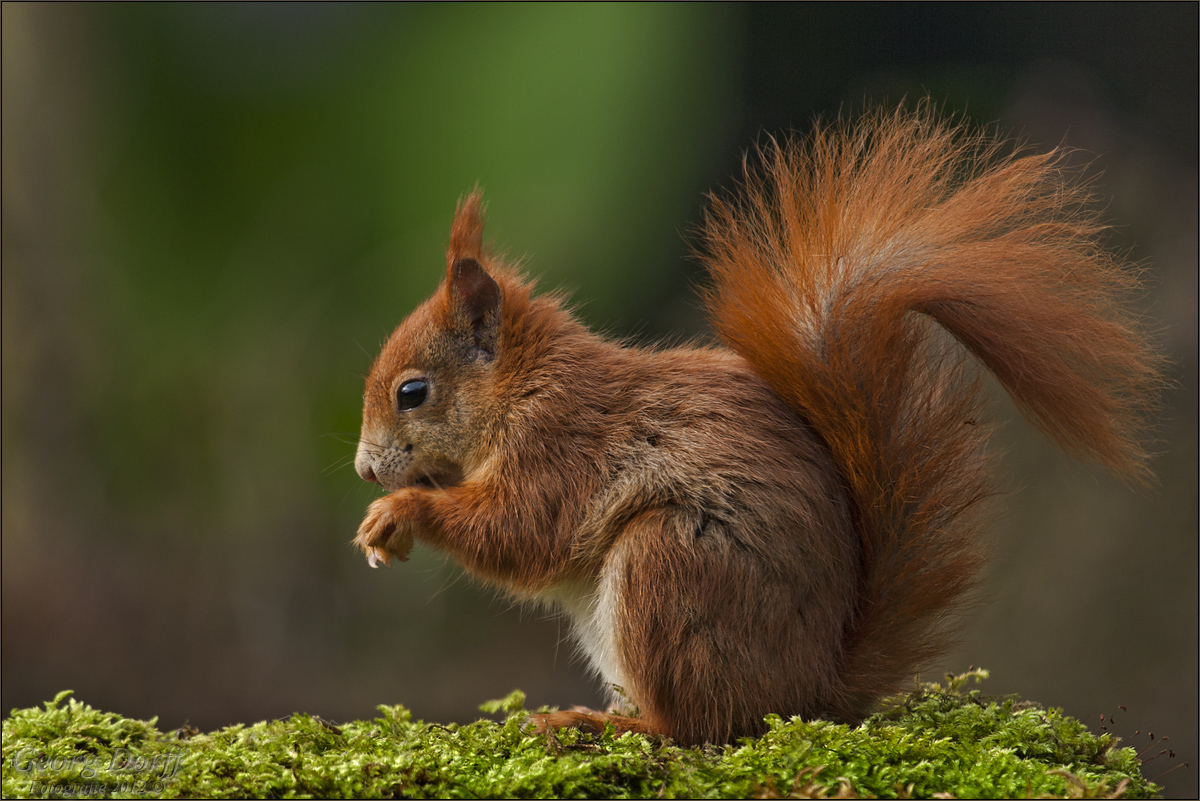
[466,235]
[472,292]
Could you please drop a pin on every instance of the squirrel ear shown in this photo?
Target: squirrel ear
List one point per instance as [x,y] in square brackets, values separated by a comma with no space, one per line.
[479,295]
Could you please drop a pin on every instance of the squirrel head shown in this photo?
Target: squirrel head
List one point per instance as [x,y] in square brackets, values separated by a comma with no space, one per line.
[426,414]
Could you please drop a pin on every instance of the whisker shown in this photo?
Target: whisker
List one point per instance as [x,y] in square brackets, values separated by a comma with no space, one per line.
[338,464]
[366,352]
[345,437]
[357,487]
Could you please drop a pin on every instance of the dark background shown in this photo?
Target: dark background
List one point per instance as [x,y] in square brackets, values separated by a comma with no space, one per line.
[213,215]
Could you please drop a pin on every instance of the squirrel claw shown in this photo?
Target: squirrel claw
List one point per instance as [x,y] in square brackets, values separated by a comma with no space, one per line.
[375,557]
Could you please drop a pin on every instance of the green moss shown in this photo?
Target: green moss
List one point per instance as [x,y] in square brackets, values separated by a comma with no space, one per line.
[938,740]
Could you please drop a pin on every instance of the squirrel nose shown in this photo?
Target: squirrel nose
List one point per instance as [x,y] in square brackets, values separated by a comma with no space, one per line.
[362,465]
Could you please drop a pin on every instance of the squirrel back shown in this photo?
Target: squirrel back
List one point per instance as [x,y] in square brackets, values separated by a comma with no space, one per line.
[785,525]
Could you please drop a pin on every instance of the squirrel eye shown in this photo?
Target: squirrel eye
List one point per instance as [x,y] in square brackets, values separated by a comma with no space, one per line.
[411,394]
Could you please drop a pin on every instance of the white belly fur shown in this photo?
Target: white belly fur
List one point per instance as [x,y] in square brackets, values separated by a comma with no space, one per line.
[592,609]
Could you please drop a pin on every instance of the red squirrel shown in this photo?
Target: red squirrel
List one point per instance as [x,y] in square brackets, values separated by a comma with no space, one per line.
[782,524]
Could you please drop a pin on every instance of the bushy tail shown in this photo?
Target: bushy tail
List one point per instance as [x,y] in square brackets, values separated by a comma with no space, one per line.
[818,267]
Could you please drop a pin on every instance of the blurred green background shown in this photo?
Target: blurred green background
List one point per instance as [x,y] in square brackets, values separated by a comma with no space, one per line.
[214,214]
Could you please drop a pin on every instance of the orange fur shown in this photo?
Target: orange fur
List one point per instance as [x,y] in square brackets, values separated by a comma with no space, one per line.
[783,526]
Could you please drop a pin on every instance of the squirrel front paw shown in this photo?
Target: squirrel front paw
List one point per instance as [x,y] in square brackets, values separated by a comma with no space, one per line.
[382,535]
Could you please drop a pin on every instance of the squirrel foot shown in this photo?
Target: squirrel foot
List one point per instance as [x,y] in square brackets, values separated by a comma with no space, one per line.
[587,720]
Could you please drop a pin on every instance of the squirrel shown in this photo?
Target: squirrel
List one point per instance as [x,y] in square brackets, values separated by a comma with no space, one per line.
[783,523]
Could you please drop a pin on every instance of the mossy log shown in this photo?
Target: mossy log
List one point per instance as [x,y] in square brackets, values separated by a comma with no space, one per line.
[939,741]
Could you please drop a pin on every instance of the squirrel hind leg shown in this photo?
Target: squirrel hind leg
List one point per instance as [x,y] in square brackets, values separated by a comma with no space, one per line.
[590,721]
